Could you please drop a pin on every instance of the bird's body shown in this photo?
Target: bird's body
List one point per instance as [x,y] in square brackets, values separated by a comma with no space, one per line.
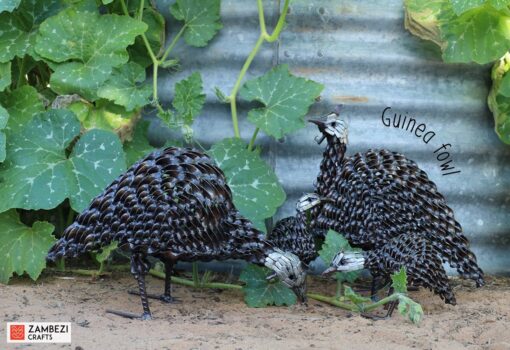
[379,195]
[290,234]
[175,205]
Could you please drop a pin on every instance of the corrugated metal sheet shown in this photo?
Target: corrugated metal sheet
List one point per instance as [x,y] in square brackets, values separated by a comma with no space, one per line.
[366,59]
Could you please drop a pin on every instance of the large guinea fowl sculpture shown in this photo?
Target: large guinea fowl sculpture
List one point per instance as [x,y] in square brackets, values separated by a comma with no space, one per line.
[379,195]
[174,205]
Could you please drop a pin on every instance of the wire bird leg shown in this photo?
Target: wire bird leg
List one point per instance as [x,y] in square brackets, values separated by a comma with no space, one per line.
[140,266]
[166,297]
[390,307]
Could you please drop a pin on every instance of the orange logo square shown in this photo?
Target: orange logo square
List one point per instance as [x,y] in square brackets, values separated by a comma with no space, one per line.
[17,332]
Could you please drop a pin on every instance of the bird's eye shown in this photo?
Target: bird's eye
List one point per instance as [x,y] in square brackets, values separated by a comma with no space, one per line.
[291,276]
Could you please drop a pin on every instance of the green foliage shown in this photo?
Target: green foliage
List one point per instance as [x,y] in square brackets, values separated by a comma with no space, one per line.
[106,251]
[189,98]
[39,174]
[286,100]
[83,45]
[259,292]
[469,31]
[399,281]
[201,19]
[23,248]
[333,244]
[355,297]
[257,192]
[410,308]
[499,98]
[4,117]
[22,105]
[5,75]
[126,87]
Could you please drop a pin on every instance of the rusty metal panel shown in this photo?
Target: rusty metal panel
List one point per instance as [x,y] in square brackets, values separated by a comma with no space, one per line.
[367,61]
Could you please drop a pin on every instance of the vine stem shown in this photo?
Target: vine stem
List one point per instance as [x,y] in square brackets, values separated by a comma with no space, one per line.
[185,282]
[155,62]
[21,77]
[333,301]
[263,37]
[253,138]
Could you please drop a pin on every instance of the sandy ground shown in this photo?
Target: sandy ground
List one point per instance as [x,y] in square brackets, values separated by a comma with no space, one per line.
[211,319]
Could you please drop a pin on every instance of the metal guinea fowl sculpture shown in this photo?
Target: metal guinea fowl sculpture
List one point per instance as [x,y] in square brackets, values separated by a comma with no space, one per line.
[174,205]
[414,252]
[379,195]
[292,234]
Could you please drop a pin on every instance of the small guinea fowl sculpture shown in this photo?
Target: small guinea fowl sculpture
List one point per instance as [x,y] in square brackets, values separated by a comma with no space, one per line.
[414,252]
[292,234]
[175,205]
[379,195]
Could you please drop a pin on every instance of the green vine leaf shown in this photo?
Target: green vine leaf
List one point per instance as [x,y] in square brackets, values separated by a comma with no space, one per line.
[88,46]
[476,36]
[9,5]
[201,19]
[4,117]
[356,298]
[499,98]
[189,98]
[139,146]
[106,251]
[38,173]
[334,243]
[499,4]
[410,308]
[258,292]
[286,100]
[5,75]
[126,87]
[22,105]
[399,281]
[255,187]
[23,248]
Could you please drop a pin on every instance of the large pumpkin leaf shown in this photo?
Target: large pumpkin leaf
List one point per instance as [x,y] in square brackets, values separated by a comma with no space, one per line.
[22,104]
[139,146]
[201,19]
[257,192]
[286,100]
[88,46]
[189,98]
[126,87]
[38,173]
[259,292]
[23,248]
[334,243]
[461,6]
[5,75]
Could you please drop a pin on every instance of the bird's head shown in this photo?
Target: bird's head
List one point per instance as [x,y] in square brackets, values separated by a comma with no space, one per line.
[346,261]
[290,270]
[332,126]
[310,200]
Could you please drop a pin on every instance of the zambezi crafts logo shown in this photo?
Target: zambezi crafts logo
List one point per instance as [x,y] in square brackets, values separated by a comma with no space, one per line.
[39,332]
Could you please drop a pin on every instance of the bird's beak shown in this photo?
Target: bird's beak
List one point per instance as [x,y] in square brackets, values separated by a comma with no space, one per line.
[300,292]
[329,270]
[317,121]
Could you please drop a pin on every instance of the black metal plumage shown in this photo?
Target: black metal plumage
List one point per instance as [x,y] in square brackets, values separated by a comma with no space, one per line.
[379,195]
[175,205]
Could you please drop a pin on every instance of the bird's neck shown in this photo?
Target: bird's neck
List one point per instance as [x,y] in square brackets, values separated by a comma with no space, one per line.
[331,162]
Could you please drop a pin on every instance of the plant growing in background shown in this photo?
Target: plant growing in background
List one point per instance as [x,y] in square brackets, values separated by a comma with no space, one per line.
[470,31]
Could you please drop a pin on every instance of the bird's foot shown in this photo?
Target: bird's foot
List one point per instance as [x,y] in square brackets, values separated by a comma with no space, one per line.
[165,298]
[144,317]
